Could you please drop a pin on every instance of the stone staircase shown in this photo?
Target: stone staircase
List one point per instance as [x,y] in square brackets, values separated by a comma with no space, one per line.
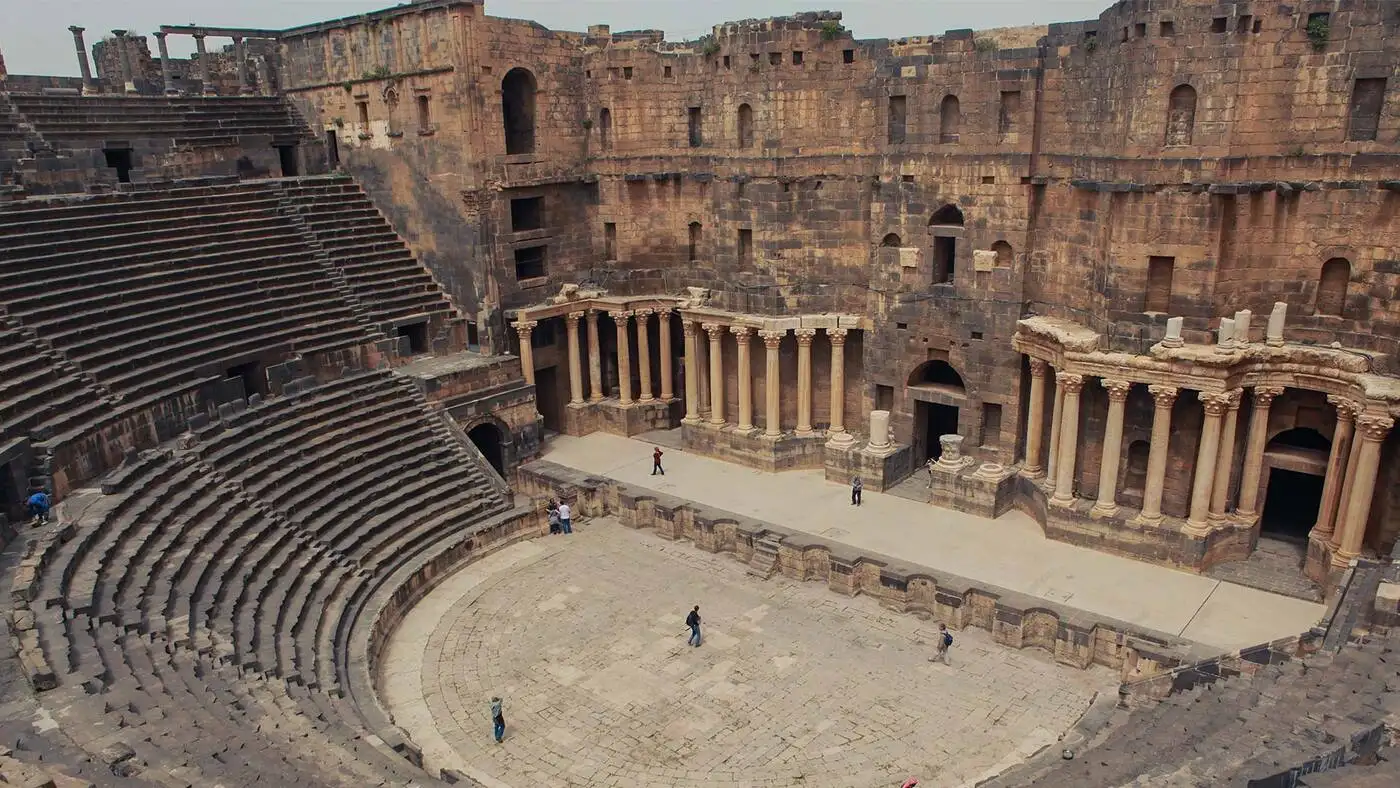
[764,561]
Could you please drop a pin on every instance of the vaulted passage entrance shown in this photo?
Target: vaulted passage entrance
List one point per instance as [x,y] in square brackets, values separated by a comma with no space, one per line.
[1296,461]
[938,392]
[930,421]
[487,438]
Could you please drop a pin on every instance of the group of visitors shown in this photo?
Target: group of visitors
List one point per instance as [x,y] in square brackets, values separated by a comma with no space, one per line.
[561,517]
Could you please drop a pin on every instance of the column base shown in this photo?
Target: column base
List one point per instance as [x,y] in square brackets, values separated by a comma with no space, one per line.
[1103,510]
[1196,530]
[646,400]
[753,448]
[691,420]
[1149,521]
[1032,471]
[1341,560]
[840,439]
[1062,502]
[615,418]
[801,433]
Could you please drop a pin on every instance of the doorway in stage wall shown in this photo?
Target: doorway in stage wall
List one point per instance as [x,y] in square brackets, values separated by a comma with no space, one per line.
[932,420]
[937,391]
[488,439]
[548,400]
[1295,463]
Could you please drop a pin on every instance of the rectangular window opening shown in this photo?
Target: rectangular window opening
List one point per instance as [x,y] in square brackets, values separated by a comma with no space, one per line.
[666,72]
[693,126]
[1140,29]
[746,246]
[529,263]
[945,251]
[526,213]
[726,61]
[417,336]
[1166,29]
[897,120]
[287,156]
[1367,100]
[775,58]
[1010,111]
[609,240]
[425,114]
[626,72]
[1219,24]
[1244,23]
[119,159]
[884,397]
[797,57]
[848,56]
[693,252]
[1159,283]
[363,108]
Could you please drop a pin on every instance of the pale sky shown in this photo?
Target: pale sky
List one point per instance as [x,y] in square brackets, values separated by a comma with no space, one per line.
[35,40]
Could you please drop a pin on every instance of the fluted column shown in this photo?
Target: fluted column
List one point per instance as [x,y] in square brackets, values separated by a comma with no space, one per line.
[1347,481]
[716,332]
[240,55]
[692,371]
[702,349]
[1035,419]
[804,379]
[1371,431]
[644,353]
[575,364]
[623,319]
[1163,397]
[1057,418]
[1225,460]
[1107,504]
[771,341]
[663,322]
[1215,405]
[167,84]
[524,329]
[1254,450]
[89,86]
[743,338]
[836,433]
[1072,384]
[1336,468]
[123,61]
[203,61]
[595,359]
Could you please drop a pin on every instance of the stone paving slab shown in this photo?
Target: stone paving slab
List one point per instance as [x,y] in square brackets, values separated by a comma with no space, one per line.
[584,638]
[1010,551]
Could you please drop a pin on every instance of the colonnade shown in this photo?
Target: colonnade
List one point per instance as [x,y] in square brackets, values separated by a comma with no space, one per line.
[1348,487]
[623,320]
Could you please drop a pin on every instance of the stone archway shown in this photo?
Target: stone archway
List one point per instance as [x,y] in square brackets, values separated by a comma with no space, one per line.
[487,438]
[1294,469]
[937,393]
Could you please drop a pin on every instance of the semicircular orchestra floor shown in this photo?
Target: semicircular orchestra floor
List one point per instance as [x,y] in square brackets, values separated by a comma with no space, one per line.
[583,637]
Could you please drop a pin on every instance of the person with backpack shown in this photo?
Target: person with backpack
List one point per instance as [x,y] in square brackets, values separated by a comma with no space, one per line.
[693,621]
[945,639]
[553,516]
[39,507]
[498,719]
[856,486]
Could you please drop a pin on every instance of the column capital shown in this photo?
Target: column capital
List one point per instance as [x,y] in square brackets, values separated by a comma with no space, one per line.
[161,34]
[689,328]
[1039,367]
[715,330]
[76,29]
[1236,396]
[1347,409]
[525,326]
[1264,396]
[198,37]
[574,317]
[1164,396]
[664,311]
[1117,389]
[743,332]
[1217,403]
[1374,426]
[621,315]
[119,33]
[1071,382]
[805,336]
[593,313]
[643,313]
[771,339]
[837,336]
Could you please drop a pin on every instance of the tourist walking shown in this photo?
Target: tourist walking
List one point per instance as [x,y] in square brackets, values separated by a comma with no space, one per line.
[656,462]
[566,514]
[856,486]
[553,516]
[39,507]
[945,639]
[693,621]
[498,719]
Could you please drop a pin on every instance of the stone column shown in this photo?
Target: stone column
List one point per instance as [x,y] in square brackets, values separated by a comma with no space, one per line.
[1072,384]
[1163,397]
[836,433]
[692,371]
[663,322]
[771,341]
[1057,418]
[203,61]
[1371,429]
[1035,419]
[742,338]
[123,61]
[804,379]
[1225,459]
[1215,405]
[524,328]
[1348,481]
[240,56]
[595,359]
[623,319]
[702,358]
[1336,468]
[1107,504]
[575,364]
[89,86]
[167,84]
[1254,450]
[644,353]
[716,332]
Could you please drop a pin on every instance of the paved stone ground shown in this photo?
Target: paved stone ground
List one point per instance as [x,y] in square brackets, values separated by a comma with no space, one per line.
[1010,551]
[1275,566]
[584,638]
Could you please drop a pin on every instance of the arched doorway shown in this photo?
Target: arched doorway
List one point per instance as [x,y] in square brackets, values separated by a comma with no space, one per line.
[938,393]
[488,439]
[1295,462]
[518,110]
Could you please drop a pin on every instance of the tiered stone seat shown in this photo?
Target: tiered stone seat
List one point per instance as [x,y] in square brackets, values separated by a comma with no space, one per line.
[380,270]
[154,291]
[204,618]
[191,120]
[36,391]
[14,143]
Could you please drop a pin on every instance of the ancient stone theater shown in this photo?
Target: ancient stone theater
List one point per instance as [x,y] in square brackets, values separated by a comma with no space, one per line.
[303,335]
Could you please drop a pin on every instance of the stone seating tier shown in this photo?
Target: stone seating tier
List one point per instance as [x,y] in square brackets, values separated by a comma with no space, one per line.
[183,120]
[204,617]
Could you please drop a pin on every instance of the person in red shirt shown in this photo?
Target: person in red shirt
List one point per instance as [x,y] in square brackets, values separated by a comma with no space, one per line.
[656,462]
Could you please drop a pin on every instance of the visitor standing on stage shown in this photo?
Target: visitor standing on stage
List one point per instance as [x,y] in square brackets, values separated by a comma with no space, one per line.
[856,486]
[693,621]
[566,518]
[656,462]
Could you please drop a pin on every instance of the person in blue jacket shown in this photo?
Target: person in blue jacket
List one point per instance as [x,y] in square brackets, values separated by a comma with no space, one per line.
[39,507]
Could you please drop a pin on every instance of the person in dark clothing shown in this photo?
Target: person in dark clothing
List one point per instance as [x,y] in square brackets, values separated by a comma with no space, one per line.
[498,719]
[856,486]
[39,507]
[552,515]
[693,621]
[656,462]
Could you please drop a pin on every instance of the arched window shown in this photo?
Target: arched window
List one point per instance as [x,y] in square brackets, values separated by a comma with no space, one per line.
[1332,287]
[605,128]
[946,227]
[745,126]
[891,240]
[425,114]
[518,109]
[694,252]
[1004,253]
[1181,115]
[937,373]
[949,118]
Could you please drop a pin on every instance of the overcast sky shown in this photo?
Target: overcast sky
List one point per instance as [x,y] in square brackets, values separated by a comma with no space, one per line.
[35,40]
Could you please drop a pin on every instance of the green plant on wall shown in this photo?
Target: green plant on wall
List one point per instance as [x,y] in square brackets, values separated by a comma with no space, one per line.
[1319,28]
[378,72]
[711,46]
[1090,44]
[831,31]
[587,124]
[984,44]
[338,121]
